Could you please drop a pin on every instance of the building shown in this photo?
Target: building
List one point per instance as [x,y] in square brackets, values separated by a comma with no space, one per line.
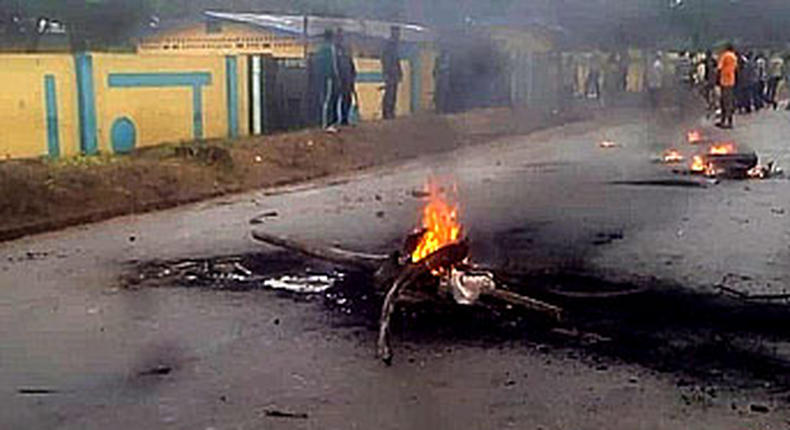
[277,46]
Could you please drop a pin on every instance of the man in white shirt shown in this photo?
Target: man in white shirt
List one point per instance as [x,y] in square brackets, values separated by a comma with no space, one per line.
[655,81]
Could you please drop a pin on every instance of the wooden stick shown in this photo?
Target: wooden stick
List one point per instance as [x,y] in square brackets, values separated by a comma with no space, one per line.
[443,258]
[528,303]
[369,262]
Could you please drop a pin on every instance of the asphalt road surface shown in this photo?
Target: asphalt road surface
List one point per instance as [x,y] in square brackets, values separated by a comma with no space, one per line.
[79,351]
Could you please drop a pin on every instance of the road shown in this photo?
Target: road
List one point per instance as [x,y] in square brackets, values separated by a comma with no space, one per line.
[77,351]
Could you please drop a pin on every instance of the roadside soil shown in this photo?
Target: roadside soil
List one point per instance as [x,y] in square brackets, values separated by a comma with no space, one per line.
[42,195]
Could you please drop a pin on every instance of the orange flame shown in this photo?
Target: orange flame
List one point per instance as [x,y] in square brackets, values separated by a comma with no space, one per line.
[694,136]
[440,221]
[697,164]
[722,149]
[673,156]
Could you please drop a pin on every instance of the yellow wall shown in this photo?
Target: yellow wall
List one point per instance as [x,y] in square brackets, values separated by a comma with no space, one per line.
[428,58]
[164,114]
[23,118]
[234,39]
[158,114]
[371,93]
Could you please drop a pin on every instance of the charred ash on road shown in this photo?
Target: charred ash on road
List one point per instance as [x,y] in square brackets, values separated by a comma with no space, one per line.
[713,340]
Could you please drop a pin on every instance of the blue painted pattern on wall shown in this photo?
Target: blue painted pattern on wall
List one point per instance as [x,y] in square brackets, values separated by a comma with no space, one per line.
[123,135]
[53,126]
[195,80]
[232,84]
[89,143]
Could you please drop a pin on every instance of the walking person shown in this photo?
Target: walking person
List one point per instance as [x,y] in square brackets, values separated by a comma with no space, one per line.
[728,64]
[776,71]
[393,73]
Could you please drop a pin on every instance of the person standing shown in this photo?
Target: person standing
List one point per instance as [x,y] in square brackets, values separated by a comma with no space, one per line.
[326,62]
[760,82]
[776,70]
[743,82]
[623,65]
[348,82]
[611,81]
[655,81]
[684,79]
[593,85]
[710,77]
[728,64]
[393,73]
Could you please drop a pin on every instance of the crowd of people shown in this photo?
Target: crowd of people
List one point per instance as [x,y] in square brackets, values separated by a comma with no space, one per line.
[740,82]
[335,75]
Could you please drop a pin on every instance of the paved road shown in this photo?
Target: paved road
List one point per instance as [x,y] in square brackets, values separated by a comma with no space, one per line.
[542,201]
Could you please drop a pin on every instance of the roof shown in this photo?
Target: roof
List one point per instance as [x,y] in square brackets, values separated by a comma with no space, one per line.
[317,25]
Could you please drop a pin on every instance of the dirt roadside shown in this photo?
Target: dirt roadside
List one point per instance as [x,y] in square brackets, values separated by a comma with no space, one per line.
[43,195]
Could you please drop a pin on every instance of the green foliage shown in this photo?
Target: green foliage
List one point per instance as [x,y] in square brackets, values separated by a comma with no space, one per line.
[84,161]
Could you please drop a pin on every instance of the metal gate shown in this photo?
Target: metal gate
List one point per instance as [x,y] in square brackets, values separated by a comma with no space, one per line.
[278,94]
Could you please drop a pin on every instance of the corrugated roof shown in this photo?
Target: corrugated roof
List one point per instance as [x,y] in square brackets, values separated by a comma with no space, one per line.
[317,25]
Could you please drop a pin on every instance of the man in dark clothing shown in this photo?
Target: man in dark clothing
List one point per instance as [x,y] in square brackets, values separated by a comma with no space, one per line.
[393,73]
[348,80]
[745,80]
[326,64]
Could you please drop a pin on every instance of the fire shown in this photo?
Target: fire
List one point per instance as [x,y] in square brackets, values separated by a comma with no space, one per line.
[440,221]
[673,156]
[698,164]
[694,136]
[722,149]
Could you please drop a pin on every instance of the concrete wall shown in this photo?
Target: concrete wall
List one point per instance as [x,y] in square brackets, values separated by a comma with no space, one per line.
[61,105]
[169,98]
[38,103]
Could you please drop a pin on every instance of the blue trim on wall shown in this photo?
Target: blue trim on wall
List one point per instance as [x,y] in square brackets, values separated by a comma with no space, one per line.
[86,97]
[197,112]
[53,128]
[158,80]
[370,78]
[123,136]
[195,80]
[232,82]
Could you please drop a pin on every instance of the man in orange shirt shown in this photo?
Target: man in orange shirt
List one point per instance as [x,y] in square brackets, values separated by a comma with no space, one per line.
[728,65]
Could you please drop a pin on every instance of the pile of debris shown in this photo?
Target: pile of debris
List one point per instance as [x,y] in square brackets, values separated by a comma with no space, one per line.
[715,159]
[434,264]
